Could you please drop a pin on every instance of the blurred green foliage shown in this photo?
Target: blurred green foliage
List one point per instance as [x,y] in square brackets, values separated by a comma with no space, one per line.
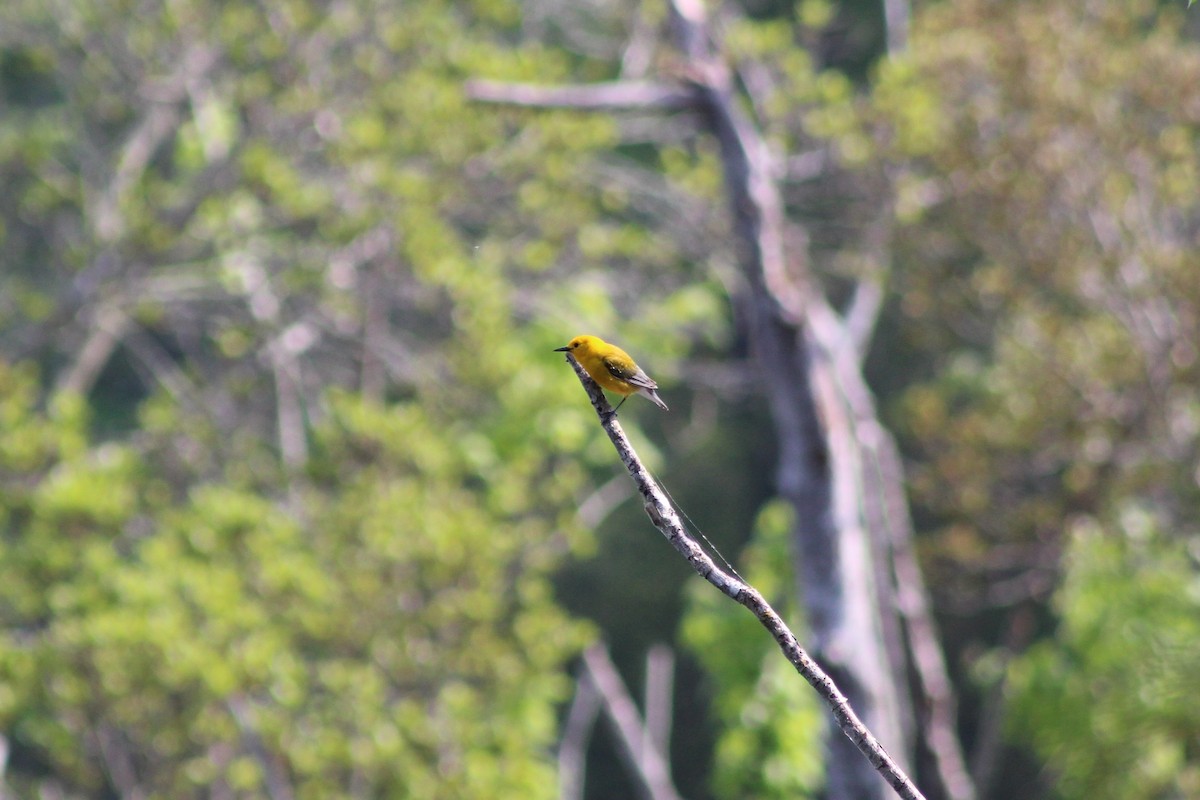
[334,640]
[1047,264]
[1108,700]
[287,467]
[281,504]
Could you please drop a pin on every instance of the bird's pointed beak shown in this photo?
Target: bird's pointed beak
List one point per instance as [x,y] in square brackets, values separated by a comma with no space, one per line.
[561,349]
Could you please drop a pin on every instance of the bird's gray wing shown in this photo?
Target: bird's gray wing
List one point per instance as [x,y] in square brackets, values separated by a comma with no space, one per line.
[635,376]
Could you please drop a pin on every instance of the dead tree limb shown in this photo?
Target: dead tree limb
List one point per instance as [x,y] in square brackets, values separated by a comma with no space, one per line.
[646,762]
[577,732]
[820,467]
[660,686]
[589,97]
[662,513]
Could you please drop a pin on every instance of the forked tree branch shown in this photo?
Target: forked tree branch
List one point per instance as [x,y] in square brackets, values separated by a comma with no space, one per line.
[662,513]
[648,764]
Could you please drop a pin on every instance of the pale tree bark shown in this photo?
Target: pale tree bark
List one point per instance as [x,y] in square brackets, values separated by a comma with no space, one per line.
[817,464]
[643,740]
[660,687]
[577,732]
[645,761]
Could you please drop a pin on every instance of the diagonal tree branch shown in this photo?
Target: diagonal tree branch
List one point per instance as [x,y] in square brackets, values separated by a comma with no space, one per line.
[665,518]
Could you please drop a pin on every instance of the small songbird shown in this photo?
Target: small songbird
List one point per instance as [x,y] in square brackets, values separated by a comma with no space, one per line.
[612,368]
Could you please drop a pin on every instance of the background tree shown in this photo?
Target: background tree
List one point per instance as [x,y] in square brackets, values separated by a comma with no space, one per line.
[1049,199]
[224,576]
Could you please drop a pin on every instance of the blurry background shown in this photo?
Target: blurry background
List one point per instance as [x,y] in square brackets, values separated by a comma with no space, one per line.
[296,501]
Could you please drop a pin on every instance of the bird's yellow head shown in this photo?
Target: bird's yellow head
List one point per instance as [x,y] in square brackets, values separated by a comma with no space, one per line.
[581,345]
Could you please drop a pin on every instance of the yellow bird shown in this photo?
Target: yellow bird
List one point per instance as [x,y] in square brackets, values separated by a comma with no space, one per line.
[612,368]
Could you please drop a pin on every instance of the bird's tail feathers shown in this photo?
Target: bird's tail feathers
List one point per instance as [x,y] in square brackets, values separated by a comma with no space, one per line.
[653,395]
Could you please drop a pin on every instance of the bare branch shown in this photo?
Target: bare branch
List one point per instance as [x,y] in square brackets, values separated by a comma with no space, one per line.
[600,503]
[283,354]
[159,123]
[118,762]
[933,682]
[895,16]
[648,763]
[108,328]
[278,785]
[811,360]
[614,96]
[639,51]
[660,685]
[665,518]
[158,365]
[572,749]
[881,475]
[807,165]
[4,751]
[862,315]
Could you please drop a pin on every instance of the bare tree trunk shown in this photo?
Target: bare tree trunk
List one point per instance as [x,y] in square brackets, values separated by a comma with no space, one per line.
[818,470]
